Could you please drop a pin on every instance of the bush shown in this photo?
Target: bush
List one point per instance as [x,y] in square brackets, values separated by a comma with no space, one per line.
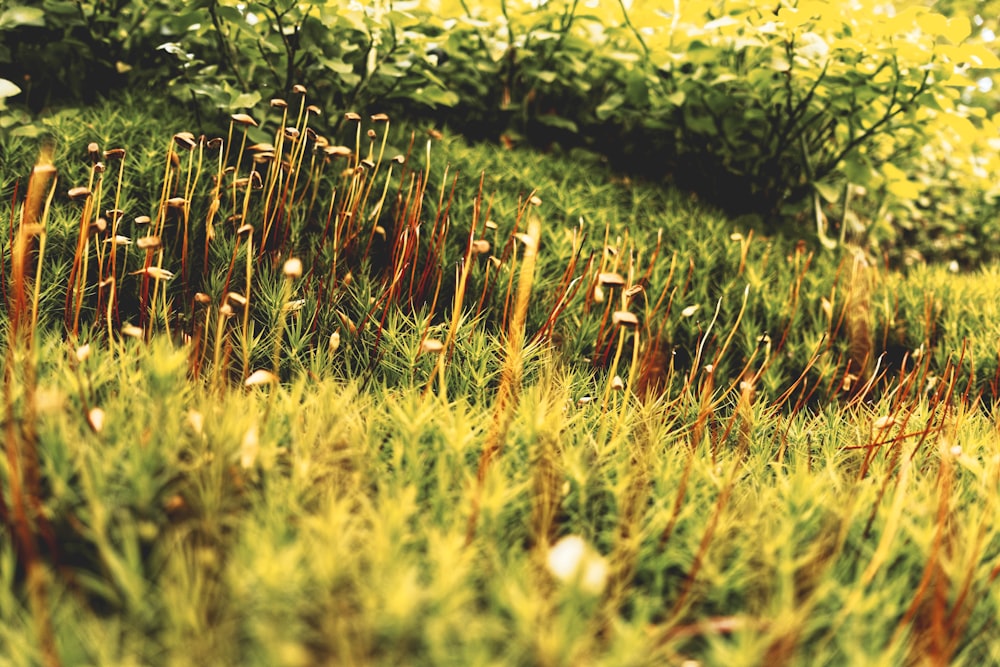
[60,50]
[783,112]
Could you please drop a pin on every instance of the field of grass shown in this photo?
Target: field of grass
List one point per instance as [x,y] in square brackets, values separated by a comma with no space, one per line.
[471,407]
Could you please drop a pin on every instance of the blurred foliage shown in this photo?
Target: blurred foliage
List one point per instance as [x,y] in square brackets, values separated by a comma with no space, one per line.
[869,120]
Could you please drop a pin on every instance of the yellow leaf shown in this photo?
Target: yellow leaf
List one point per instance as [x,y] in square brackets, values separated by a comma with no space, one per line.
[945,99]
[979,55]
[904,189]
[959,80]
[933,24]
[897,183]
[976,55]
[985,57]
[913,52]
[795,18]
[892,173]
[963,127]
[958,29]
[905,21]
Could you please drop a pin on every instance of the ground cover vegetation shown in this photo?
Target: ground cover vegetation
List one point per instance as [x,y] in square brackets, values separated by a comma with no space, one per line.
[289,385]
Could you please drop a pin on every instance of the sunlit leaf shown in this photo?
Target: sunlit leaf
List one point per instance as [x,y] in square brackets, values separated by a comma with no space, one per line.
[957,29]
[22,16]
[245,100]
[8,89]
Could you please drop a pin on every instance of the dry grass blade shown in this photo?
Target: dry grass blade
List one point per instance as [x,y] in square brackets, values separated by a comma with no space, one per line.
[857,320]
[513,365]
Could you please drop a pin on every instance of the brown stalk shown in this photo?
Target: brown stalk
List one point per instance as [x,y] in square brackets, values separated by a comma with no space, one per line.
[566,292]
[687,280]
[744,252]
[413,209]
[961,613]
[407,224]
[466,270]
[116,216]
[24,518]
[794,302]
[11,230]
[215,203]
[679,500]
[667,285]
[32,226]
[78,272]
[405,253]
[621,322]
[189,191]
[509,390]
[644,280]
[432,269]
[628,538]
[705,410]
[857,321]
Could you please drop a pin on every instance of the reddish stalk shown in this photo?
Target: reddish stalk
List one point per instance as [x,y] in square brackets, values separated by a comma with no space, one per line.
[25,518]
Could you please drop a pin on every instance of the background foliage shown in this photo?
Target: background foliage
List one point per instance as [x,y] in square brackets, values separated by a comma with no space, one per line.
[867,120]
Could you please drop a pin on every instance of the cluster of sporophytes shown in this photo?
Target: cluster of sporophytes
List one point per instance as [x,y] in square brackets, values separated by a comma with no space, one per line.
[316,387]
[374,238]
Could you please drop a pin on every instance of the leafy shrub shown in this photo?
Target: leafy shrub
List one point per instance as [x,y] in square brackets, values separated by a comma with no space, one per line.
[944,202]
[348,54]
[784,111]
[759,109]
[227,54]
[60,50]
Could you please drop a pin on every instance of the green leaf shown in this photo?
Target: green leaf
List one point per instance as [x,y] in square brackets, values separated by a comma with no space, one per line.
[606,108]
[828,191]
[28,131]
[898,183]
[337,66]
[858,170]
[625,57]
[701,53]
[245,100]
[433,96]
[553,120]
[61,12]
[392,71]
[22,16]
[637,92]
[725,77]
[699,121]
